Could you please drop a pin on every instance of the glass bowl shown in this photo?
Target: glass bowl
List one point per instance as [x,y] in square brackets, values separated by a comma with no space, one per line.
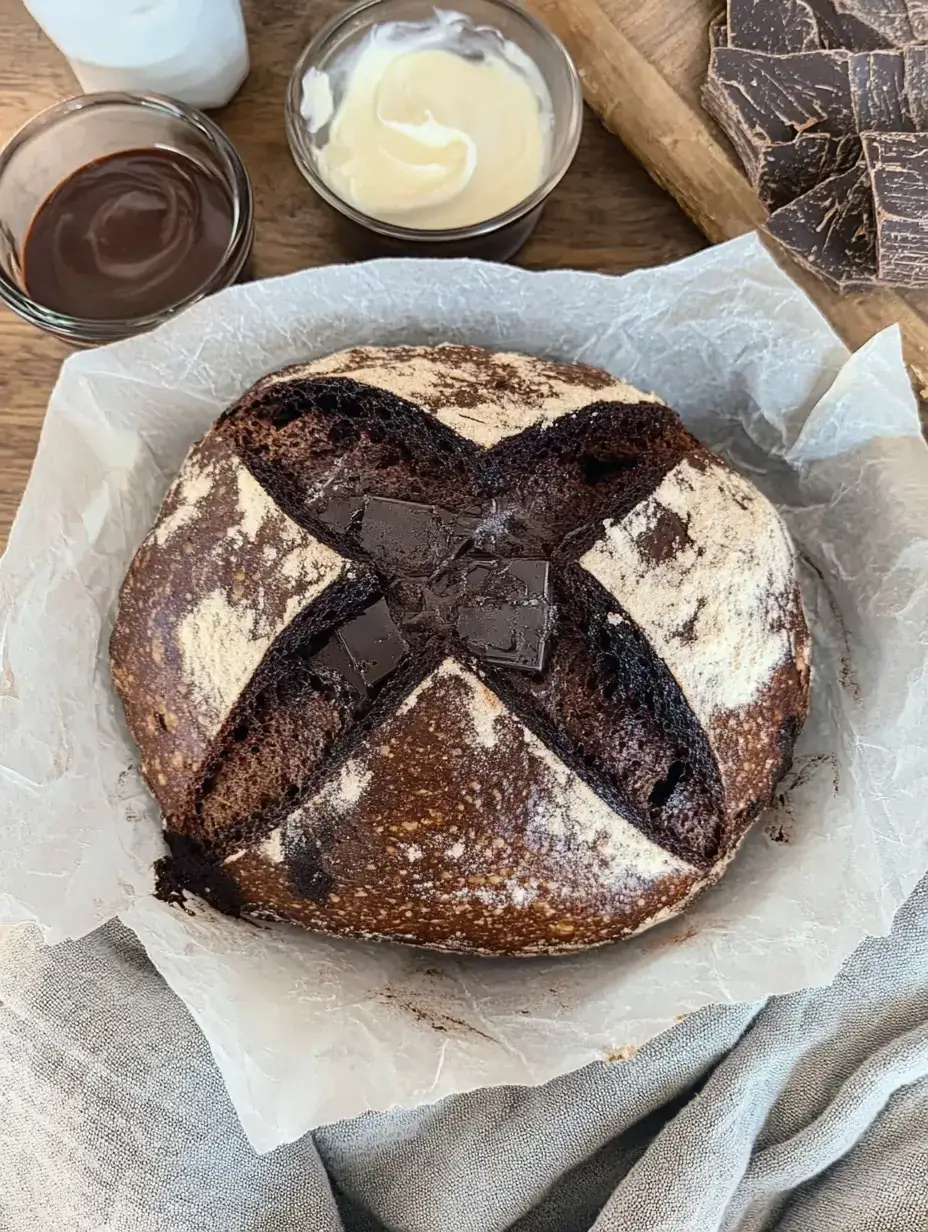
[495,238]
[71,134]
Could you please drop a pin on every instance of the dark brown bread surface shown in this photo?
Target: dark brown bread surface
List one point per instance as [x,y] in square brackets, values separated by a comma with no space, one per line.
[220,578]
[454,843]
[458,802]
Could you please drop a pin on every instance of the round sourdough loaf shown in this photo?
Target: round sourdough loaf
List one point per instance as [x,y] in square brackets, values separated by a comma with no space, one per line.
[465,650]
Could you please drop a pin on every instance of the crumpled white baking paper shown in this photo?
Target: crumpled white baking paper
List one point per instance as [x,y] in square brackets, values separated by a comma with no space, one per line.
[307,1029]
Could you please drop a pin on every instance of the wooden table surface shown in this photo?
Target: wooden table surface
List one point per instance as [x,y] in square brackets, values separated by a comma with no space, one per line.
[607,215]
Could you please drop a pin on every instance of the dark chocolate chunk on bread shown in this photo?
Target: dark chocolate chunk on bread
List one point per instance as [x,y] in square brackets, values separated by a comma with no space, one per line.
[459,649]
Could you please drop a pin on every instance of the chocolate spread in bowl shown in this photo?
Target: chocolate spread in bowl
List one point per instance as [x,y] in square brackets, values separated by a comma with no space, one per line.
[128,235]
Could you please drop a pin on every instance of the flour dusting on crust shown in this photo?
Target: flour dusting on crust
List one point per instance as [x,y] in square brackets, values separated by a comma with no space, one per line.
[485,397]
[707,584]
[192,485]
[484,711]
[706,569]
[225,634]
[571,811]
[564,810]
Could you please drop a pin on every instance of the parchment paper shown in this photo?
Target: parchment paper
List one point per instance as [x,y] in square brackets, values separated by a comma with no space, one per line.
[308,1030]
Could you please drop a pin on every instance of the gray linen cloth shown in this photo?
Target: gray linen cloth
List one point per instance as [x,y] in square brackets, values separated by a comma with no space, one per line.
[808,1113]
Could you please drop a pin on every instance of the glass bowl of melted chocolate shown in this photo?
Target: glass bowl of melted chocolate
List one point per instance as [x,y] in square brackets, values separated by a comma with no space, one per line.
[118,210]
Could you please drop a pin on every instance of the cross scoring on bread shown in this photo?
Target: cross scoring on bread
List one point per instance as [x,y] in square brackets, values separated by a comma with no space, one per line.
[447,573]
[472,567]
[326,447]
[462,804]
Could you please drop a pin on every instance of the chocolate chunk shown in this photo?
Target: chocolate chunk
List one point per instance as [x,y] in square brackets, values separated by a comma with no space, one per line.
[410,538]
[917,11]
[804,89]
[333,660]
[845,30]
[771,107]
[916,86]
[878,91]
[831,229]
[374,644]
[890,23]
[785,26]
[461,529]
[777,26]
[788,169]
[507,634]
[500,607]
[898,172]
[760,98]
[532,575]
[506,613]
[473,576]
[339,511]
[515,580]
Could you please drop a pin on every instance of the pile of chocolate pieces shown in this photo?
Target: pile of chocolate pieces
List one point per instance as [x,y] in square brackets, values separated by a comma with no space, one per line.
[826,103]
[439,585]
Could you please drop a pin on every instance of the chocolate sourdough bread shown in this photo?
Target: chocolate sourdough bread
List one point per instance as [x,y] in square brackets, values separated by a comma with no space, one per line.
[465,650]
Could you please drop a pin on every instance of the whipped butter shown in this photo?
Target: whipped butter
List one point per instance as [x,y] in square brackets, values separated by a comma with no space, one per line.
[430,125]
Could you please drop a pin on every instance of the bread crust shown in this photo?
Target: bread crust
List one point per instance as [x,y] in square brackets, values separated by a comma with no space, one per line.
[466,808]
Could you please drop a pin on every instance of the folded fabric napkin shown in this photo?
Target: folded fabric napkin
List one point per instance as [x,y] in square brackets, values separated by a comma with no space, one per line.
[805,1114]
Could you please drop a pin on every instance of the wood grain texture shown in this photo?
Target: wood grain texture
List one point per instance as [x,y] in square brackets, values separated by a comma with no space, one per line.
[607,215]
[642,67]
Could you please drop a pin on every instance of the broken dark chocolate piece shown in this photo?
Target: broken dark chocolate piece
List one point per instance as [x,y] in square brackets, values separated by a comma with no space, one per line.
[777,26]
[507,634]
[916,86]
[374,644]
[878,91]
[897,164]
[403,535]
[788,169]
[785,26]
[800,87]
[500,608]
[845,30]
[517,580]
[505,615]
[461,529]
[832,229]
[333,660]
[775,98]
[890,23]
[339,511]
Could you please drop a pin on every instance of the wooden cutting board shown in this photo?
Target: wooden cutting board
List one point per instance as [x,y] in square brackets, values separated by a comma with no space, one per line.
[642,64]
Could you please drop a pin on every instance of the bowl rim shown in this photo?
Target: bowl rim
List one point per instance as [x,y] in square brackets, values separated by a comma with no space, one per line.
[297,132]
[104,329]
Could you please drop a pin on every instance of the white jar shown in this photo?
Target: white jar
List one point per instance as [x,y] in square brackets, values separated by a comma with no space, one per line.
[192,50]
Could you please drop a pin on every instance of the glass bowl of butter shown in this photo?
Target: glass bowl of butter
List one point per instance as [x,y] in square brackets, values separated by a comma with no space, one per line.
[431,131]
